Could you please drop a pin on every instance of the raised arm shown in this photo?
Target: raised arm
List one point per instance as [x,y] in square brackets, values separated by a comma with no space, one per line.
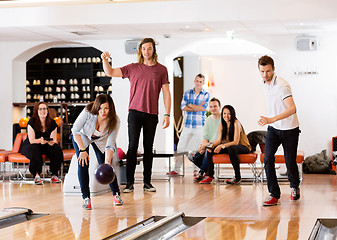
[109,71]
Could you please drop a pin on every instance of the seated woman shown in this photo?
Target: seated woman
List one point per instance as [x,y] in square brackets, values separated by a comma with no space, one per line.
[232,140]
[42,140]
[97,125]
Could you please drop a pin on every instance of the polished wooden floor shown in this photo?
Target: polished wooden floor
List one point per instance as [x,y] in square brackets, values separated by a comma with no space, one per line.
[233,212]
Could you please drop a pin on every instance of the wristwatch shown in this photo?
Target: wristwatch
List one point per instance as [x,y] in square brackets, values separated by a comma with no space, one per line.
[223,146]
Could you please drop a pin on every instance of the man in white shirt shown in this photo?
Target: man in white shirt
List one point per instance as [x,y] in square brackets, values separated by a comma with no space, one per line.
[283,129]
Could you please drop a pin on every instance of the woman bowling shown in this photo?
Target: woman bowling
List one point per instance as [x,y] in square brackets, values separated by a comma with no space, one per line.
[97,125]
[232,140]
[42,140]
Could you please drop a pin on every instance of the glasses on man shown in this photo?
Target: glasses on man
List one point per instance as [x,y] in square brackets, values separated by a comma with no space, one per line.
[42,109]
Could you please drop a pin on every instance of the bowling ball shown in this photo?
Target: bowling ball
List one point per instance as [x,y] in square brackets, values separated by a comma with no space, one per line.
[57,120]
[23,122]
[121,154]
[104,174]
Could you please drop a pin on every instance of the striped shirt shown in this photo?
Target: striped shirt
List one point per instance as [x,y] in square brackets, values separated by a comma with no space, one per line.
[195,119]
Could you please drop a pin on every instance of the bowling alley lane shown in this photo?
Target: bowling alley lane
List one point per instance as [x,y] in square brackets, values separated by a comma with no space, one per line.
[231,212]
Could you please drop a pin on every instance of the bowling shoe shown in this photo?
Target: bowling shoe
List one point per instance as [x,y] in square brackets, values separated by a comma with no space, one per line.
[55,179]
[233,181]
[271,202]
[118,200]
[148,187]
[129,188]
[86,204]
[38,181]
[206,180]
[295,194]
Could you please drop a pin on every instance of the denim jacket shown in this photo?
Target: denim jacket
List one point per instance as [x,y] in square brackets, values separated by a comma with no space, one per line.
[85,125]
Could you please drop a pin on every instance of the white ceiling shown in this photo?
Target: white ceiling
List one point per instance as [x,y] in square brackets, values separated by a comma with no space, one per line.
[45,31]
[172,30]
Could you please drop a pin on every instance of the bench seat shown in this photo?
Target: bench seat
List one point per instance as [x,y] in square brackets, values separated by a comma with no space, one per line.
[249,159]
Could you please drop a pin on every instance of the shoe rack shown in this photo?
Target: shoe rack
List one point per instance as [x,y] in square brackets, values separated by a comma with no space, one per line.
[73,75]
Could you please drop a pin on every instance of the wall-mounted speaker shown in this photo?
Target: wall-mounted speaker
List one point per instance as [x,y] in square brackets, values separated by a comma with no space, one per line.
[306,43]
[131,46]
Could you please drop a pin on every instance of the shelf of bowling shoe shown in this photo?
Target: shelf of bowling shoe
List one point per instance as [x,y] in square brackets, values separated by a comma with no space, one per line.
[102,84]
[34,92]
[100,92]
[76,84]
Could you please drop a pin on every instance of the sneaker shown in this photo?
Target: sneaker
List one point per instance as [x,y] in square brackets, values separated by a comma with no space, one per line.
[118,200]
[86,204]
[295,194]
[271,201]
[199,176]
[55,179]
[172,173]
[233,181]
[129,188]
[149,188]
[206,180]
[191,157]
[38,181]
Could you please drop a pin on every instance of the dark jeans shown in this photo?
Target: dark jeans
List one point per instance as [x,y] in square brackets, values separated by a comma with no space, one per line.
[136,121]
[233,152]
[200,160]
[289,141]
[34,153]
[83,172]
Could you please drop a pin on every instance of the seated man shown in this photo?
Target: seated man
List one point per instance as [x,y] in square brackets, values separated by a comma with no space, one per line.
[210,133]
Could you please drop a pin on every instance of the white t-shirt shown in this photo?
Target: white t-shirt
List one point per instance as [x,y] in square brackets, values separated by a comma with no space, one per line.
[276,92]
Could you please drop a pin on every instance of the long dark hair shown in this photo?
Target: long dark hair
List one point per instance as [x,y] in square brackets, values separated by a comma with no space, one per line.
[224,123]
[94,107]
[37,121]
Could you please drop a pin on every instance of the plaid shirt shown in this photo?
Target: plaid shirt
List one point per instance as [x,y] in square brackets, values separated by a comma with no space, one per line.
[195,119]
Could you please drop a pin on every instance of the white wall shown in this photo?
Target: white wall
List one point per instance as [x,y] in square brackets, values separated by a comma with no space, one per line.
[237,82]
[191,69]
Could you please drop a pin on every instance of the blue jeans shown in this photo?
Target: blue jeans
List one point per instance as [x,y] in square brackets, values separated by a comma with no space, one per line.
[289,141]
[136,121]
[83,172]
[200,160]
